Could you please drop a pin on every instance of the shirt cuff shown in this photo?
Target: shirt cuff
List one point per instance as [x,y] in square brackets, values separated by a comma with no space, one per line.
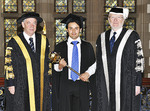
[91,70]
[56,68]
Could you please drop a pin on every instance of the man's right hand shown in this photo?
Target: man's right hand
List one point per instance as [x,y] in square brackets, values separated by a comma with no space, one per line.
[62,64]
[11,89]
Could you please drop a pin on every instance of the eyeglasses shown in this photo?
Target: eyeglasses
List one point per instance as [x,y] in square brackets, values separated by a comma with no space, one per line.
[113,17]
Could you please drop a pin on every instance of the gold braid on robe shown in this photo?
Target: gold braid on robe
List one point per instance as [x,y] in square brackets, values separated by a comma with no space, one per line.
[8,68]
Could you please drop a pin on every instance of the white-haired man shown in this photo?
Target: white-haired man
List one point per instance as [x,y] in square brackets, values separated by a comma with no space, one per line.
[119,65]
[26,67]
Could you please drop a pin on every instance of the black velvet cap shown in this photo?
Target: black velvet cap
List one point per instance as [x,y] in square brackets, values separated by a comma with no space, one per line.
[117,10]
[30,15]
[73,18]
[120,10]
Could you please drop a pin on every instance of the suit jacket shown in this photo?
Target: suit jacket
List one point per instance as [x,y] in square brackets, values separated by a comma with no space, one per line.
[60,79]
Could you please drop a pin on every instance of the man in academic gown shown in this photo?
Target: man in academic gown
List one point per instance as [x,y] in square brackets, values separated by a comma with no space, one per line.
[69,93]
[26,68]
[120,65]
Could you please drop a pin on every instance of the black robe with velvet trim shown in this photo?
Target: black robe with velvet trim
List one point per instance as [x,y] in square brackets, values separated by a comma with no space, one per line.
[60,79]
[131,73]
[20,100]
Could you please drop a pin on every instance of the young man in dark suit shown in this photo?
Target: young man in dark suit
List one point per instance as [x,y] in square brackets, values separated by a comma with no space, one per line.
[70,91]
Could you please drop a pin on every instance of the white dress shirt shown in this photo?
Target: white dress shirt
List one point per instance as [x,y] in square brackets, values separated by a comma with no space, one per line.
[91,69]
[117,33]
[27,39]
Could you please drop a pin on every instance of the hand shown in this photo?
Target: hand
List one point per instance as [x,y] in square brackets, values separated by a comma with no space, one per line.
[11,89]
[137,90]
[62,63]
[85,76]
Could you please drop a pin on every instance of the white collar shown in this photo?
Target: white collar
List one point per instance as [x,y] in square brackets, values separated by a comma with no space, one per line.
[118,31]
[27,36]
[70,40]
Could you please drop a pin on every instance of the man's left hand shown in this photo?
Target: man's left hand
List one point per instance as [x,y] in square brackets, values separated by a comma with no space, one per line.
[137,90]
[84,76]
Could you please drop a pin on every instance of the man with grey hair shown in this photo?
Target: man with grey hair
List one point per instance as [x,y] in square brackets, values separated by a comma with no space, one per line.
[26,68]
[120,65]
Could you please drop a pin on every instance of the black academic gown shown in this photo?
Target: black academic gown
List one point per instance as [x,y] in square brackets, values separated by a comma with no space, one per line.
[61,84]
[131,71]
[20,100]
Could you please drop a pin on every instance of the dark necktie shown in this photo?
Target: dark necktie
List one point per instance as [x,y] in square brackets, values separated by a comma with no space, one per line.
[75,61]
[112,41]
[31,44]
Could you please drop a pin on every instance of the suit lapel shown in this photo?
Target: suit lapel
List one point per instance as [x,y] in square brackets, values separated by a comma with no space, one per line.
[66,51]
[107,35]
[25,43]
[83,55]
[117,43]
[63,50]
[38,44]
